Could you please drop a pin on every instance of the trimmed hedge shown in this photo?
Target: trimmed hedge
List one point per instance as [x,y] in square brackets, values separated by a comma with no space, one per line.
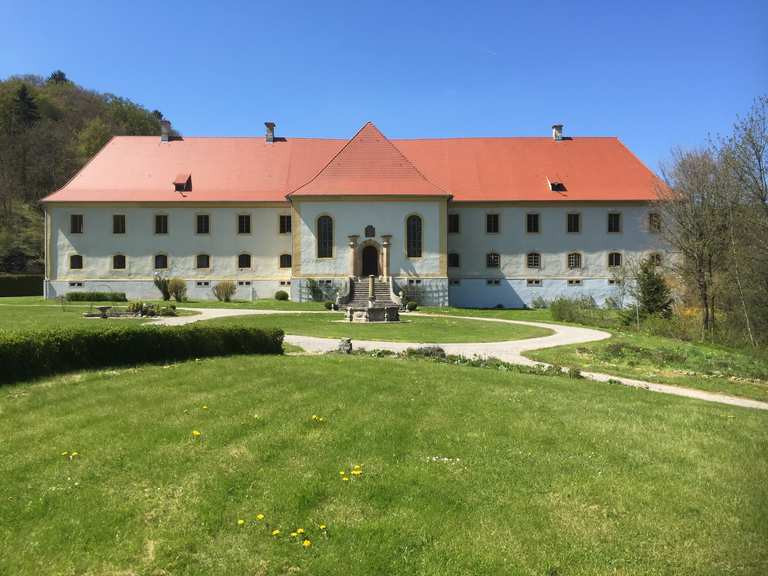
[21,285]
[96,297]
[25,355]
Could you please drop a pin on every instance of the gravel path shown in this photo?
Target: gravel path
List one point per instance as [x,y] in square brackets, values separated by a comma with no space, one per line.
[510,351]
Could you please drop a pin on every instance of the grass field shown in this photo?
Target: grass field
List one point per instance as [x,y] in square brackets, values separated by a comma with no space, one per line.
[464,471]
[410,329]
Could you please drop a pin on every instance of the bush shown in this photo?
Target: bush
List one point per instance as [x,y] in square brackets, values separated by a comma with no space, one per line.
[25,355]
[21,285]
[177,288]
[161,283]
[96,297]
[582,311]
[539,303]
[328,305]
[411,306]
[224,290]
[281,295]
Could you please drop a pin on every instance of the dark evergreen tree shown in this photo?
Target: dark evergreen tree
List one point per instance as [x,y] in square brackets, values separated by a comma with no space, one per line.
[58,77]
[25,110]
[653,294]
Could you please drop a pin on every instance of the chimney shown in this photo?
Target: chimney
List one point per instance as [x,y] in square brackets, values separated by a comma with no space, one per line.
[165,130]
[557,131]
[270,131]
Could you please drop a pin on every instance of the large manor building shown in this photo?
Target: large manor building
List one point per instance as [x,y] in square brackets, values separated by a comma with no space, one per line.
[476,222]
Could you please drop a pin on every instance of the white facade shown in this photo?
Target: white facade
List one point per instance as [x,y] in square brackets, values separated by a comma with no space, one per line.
[473,283]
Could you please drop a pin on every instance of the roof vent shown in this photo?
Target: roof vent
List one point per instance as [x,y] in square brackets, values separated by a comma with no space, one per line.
[165,130]
[557,131]
[556,186]
[183,182]
[270,131]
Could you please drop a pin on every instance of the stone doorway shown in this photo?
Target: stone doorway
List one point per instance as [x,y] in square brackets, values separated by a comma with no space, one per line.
[370,261]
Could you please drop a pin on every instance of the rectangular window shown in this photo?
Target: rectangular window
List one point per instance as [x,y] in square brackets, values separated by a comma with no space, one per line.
[453,223]
[243,282]
[244,224]
[492,223]
[574,282]
[614,222]
[285,282]
[493,282]
[654,222]
[453,260]
[533,260]
[203,261]
[454,282]
[492,260]
[76,223]
[203,224]
[118,223]
[202,283]
[161,224]
[574,223]
[285,223]
[533,282]
[532,223]
[285,260]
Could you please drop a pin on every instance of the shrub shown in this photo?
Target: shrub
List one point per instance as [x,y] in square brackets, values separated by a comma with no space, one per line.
[21,285]
[328,305]
[96,297]
[177,288]
[161,283]
[224,290]
[281,295]
[539,302]
[33,354]
[411,306]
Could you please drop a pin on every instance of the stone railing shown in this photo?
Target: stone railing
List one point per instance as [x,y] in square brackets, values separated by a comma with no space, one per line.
[345,292]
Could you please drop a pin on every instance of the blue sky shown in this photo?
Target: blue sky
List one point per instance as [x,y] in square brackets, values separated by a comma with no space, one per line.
[655,74]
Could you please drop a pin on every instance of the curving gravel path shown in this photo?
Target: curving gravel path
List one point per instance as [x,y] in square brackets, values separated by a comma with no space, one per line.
[509,351]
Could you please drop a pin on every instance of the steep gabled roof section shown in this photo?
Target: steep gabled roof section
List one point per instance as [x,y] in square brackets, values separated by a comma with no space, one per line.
[369,165]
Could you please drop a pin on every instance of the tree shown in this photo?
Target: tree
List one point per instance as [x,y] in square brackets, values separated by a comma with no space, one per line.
[24,110]
[57,77]
[654,297]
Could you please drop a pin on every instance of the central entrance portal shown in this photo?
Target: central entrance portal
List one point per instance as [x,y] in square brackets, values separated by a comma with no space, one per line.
[370,261]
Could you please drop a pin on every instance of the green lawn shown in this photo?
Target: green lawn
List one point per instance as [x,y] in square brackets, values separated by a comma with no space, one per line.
[410,329]
[465,471]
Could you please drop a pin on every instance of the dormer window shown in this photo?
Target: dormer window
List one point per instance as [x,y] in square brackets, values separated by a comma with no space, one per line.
[183,182]
[556,185]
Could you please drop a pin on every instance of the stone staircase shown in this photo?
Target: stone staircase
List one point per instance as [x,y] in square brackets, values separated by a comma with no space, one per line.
[358,293]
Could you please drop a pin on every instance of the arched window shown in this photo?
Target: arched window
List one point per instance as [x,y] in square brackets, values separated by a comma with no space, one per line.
[614,259]
[161,261]
[533,260]
[118,262]
[244,261]
[574,260]
[76,262]
[325,237]
[203,261]
[453,260]
[413,236]
[492,260]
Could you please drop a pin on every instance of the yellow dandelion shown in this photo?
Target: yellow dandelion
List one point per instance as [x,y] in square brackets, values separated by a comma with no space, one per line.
[346,478]
[306,543]
[240,522]
[259,516]
[356,472]
[196,433]
[205,407]
[75,454]
[300,531]
[357,467]
[293,534]
[65,453]
[275,532]
[322,526]
[341,472]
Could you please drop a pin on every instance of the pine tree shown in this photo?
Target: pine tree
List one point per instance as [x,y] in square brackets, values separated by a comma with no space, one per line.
[653,295]
[58,77]
[24,107]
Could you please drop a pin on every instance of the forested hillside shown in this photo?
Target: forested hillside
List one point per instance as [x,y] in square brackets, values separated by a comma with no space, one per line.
[49,128]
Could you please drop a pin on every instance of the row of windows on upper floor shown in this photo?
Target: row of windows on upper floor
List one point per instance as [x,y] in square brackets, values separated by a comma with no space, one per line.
[161,262]
[202,223]
[533,223]
[536,282]
[573,260]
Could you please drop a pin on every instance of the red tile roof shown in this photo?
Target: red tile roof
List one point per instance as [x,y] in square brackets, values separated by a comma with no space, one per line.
[369,165]
[143,169]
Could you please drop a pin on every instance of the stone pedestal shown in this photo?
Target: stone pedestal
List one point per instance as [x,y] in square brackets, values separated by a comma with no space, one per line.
[351,255]
[386,242]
